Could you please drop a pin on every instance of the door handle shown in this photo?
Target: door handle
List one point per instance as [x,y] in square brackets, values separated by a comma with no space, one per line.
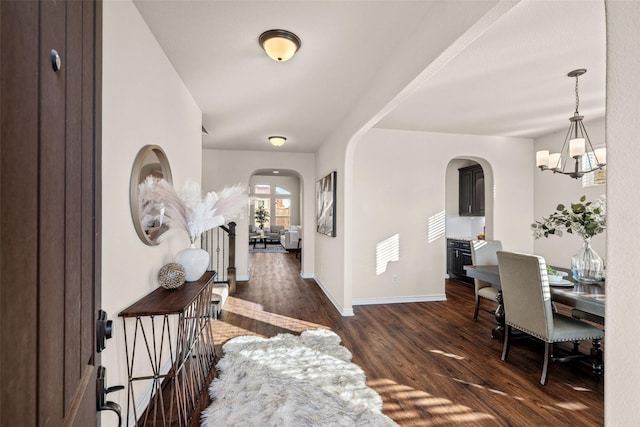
[101,395]
[104,329]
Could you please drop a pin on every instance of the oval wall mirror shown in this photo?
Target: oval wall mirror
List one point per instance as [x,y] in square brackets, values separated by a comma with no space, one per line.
[151,160]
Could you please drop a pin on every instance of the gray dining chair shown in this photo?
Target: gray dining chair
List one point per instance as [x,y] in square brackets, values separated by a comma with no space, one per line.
[483,252]
[527,304]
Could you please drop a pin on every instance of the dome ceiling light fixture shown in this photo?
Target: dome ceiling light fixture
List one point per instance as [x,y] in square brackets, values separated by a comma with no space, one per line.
[280,45]
[277,141]
[576,146]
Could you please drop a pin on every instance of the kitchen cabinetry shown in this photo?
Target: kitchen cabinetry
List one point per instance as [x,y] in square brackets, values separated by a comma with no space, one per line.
[458,255]
[471,191]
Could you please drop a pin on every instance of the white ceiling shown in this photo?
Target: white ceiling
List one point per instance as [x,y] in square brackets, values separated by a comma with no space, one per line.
[509,82]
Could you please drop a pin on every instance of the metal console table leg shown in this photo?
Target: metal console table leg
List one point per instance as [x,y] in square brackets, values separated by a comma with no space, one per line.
[170,352]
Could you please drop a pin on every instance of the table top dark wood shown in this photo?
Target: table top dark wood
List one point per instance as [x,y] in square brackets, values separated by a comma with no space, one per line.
[163,301]
[589,298]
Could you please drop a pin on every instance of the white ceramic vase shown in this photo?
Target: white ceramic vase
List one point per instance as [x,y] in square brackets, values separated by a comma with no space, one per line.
[195,262]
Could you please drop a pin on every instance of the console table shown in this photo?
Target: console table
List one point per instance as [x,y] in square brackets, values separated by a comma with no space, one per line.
[170,352]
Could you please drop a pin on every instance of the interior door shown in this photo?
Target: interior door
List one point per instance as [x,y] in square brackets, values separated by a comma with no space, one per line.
[50,211]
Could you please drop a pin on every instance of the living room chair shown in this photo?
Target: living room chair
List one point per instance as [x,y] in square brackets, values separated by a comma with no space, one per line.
[527,304]
[483,252]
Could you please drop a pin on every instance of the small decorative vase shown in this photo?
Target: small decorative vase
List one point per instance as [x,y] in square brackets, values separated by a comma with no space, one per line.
[586,265]
[195,262]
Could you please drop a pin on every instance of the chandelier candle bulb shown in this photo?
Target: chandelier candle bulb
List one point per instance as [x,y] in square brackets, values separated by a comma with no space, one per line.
[576,147]
[542,158]
[601,156]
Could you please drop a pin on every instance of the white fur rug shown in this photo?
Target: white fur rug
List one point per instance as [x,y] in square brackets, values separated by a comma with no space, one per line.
[289,380]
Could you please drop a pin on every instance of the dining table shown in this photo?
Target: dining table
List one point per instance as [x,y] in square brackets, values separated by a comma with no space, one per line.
[586,299]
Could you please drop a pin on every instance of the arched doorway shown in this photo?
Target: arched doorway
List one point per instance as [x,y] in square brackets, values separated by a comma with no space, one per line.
[278,195]
[469,199]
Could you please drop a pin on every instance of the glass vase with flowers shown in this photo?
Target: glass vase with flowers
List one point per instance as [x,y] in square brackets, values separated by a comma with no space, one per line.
[585,219]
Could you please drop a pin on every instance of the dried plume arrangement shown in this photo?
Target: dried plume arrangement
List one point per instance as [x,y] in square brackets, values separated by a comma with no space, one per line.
[159,201]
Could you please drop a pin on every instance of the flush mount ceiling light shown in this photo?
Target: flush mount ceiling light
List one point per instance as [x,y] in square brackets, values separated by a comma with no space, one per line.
[577,145]
[280,45]
[277,141]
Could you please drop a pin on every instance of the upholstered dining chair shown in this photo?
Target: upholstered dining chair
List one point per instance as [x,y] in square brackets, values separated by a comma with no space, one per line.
[527,304]
[483,252]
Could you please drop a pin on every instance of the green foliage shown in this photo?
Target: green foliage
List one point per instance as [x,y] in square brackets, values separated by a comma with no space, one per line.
[584,218]
[261,216]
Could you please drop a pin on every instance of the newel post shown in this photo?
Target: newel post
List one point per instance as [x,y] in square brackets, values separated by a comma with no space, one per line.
[231,269]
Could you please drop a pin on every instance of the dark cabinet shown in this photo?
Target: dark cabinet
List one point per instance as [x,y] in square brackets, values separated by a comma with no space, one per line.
[458,255]
[471,191]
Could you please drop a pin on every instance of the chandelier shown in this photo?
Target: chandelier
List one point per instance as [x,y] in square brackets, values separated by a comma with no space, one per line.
[577,146]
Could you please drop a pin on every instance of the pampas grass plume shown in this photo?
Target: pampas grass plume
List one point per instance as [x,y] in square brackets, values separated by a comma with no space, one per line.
[188,209]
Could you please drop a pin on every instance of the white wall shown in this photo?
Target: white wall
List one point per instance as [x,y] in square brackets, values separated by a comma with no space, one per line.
[401,191]
[552,189]
[144,102]
[622,393]
[448,29]
[222,167]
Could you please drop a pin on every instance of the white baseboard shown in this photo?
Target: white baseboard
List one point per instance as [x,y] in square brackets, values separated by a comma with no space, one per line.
[399,300]
[344,312]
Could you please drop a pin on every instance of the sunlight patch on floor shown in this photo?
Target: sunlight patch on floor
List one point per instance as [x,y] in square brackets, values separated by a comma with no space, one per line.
[451,355]
[572,406]
[579,388]
[492,390]
[223,331]
[414,404]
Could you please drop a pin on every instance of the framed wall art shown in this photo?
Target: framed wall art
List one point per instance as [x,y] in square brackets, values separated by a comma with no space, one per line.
[326,205]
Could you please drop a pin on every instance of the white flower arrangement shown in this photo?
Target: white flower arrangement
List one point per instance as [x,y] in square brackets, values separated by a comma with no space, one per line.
[160,203]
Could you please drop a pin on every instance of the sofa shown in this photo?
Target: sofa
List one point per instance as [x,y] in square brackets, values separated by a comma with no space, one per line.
[271,234]
[289,239]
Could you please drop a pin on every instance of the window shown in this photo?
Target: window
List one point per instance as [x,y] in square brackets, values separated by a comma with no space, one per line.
[276,201]
[594,178]
[283,212]
[280,190]
[262,189]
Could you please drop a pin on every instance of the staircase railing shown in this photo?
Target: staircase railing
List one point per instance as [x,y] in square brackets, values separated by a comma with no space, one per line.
[220,242]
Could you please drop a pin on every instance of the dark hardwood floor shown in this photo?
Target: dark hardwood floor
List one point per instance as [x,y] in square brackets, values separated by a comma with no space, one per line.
[430,362]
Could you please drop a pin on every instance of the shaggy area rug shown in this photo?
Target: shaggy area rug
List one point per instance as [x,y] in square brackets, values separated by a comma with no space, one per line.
[269,249]
[289,380]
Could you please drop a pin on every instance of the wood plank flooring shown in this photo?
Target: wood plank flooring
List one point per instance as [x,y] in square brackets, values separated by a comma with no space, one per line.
[430,362]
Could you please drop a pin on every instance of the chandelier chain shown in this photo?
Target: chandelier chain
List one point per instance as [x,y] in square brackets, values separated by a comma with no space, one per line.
[577,96]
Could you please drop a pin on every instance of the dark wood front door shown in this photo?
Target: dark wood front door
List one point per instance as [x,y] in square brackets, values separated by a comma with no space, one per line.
[49,211]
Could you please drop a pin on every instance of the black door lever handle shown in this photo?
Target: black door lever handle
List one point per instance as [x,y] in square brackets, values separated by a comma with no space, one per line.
[101,395]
